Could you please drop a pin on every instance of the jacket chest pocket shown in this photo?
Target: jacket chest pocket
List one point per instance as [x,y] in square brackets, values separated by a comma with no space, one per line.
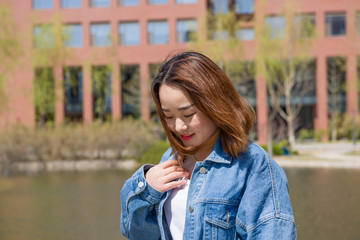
[220,221]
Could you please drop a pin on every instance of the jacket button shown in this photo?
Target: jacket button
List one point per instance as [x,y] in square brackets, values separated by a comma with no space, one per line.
[191,209]
[140,184]
[202,170]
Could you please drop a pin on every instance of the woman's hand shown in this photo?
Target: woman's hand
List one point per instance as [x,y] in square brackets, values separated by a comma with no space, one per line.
[161,176]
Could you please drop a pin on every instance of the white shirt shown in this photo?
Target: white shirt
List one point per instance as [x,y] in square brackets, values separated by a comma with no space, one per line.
[175,210]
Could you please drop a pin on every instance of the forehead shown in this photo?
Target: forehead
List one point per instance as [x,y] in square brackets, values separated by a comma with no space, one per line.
[172,97]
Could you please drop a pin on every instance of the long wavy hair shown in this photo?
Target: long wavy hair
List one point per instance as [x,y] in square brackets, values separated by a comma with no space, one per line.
[213,93]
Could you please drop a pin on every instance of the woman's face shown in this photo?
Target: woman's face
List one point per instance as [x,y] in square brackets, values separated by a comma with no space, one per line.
[192,126]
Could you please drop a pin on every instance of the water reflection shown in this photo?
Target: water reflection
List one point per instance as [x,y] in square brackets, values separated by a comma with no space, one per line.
[326,203]
[87,205]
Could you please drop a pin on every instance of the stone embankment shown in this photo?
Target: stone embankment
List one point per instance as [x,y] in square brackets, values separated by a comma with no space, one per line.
[324,155]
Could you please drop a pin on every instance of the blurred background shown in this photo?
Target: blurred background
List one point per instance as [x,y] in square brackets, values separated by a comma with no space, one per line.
[77,117]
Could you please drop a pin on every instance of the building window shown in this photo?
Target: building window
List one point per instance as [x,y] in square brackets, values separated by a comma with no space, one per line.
[220,6]
[43,4]
[220,35]
[71,3]
[43,36]
[100,3]
[275,27]
[305,25]
[44,95]
[157,2]
[186,30]
[100,34]
[158,32]
[246,34]
[130,92]
[101,76]
[73,35]
[186,1]
[73,92]
[127,3]
[335,24]
[336,82]
[129,33]
[244,6]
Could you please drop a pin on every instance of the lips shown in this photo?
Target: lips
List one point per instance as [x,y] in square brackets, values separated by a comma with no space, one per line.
[187,137]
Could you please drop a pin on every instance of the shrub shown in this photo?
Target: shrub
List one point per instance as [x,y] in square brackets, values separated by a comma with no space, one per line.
[306,134]
[154,153]
[128,138]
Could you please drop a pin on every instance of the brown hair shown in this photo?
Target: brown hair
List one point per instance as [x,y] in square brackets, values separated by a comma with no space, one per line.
[213,93]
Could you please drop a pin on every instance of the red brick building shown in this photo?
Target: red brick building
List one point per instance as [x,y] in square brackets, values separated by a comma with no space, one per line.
[157,28]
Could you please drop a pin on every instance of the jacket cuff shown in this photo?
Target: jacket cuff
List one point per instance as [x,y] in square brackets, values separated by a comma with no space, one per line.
[143,188]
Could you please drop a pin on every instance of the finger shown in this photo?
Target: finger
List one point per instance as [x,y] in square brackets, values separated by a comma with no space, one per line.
[174,184]
[169,163]
[175,175]
[171,169]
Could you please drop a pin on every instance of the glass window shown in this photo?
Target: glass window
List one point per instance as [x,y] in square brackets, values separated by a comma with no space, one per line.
[220,35]
[220,6]
[335,24]
[73,35]
[130,92]
[43,4]
[71,3]
[275,25]
[73,91]
[305,25]
[246,34]
[100,34]
[100,3]
[43,36]
[244,6]
[157,2]
[128,2]
[186,1]
[186,30]
[129,33]
[158,32]
[101,76]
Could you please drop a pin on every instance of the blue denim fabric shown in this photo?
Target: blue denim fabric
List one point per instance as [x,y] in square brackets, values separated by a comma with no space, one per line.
[242,198]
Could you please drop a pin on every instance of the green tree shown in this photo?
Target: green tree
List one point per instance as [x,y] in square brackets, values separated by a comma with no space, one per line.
[49,54]
[10,50]
[284,44]
[102,90]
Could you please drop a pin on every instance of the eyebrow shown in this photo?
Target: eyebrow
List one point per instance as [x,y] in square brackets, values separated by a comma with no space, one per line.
[180,108]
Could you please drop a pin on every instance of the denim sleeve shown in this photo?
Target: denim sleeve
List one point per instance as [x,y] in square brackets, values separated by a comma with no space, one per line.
[138,214]
[265,210]
[138,201]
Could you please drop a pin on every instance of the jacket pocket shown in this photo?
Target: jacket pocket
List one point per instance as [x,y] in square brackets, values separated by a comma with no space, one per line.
[220,221]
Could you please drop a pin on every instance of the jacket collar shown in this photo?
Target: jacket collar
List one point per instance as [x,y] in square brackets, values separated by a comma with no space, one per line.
[218,154]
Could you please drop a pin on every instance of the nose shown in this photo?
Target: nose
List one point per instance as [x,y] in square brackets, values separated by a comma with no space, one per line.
[180,125]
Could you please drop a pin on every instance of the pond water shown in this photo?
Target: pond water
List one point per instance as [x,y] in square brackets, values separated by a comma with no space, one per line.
[86,205]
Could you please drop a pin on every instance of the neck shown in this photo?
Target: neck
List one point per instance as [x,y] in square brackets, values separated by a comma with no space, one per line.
[206,148]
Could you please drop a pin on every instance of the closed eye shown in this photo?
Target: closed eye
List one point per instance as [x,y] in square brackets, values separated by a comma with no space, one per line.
[166,117]
[190,115]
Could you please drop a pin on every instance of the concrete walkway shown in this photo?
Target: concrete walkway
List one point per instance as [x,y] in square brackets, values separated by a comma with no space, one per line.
[320,155]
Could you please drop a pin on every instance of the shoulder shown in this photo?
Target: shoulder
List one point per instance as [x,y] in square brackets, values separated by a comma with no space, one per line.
[257,159]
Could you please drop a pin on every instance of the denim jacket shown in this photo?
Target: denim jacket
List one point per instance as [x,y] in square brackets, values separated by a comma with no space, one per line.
[229,198]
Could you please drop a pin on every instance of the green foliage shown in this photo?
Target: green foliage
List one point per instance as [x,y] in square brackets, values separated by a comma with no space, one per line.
[280,148]
[347,126]
[101,90]
[320,134]
[118,140]
[10,50]
[154,153]
[306,134]
[44,95]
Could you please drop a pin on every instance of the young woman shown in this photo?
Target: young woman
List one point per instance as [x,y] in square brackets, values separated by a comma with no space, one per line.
[213,183]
